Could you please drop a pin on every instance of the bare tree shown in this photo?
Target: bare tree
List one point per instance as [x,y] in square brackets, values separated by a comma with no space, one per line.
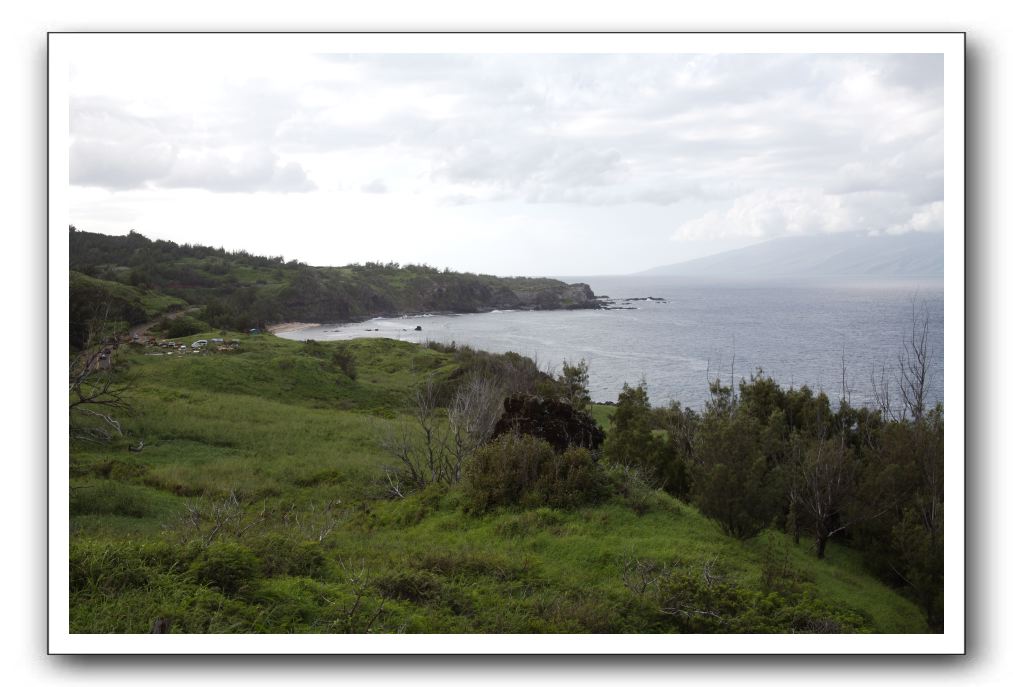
[472,417]
[845,388]
[432,445]
[914,361]
[97,393]
[881,393]
[419,442]
[824,482]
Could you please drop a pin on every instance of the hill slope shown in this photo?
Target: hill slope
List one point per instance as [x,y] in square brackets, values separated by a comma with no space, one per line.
[836,255]
[283,446]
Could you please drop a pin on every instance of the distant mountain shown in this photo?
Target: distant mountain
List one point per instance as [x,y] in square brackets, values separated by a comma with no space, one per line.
[914,254]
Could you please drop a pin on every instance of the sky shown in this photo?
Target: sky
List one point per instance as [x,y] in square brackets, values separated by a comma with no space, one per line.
[526,164]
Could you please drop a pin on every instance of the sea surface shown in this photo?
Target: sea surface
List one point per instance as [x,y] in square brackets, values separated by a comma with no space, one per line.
[798,333]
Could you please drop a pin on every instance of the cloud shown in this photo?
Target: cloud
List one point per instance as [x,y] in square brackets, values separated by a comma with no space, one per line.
[772,213]
[251,171]
[115,149]
[740,145]
[928,218]
[119,166]
[375,186]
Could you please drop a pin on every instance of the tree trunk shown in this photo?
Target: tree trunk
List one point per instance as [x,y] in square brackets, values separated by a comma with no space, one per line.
[821,546]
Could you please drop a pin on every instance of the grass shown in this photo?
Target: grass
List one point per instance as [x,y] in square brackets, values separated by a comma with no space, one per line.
[287,445]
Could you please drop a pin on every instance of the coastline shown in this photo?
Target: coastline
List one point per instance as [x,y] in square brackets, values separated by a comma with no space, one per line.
[286,327]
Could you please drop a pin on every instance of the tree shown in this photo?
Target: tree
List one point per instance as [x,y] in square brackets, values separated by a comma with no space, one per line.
[733,480]
[97,392]
[574,381]
[432,443]
[420,442]
[472,415]
[914,361]
[822,486]
[630,440]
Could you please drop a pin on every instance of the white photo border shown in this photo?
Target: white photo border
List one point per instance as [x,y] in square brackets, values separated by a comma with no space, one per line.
[63,47]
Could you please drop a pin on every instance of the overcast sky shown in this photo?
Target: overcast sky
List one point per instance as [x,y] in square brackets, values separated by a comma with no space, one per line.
[507,164]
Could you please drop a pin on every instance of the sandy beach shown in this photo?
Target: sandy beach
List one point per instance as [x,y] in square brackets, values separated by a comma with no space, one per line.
[291,327]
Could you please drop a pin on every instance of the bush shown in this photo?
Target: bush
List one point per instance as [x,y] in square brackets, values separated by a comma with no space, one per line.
[419,586]
[524,470]
[630,482]
[344,359]
[280,555]
[110,498]
[183,326]
[112,567]
[227,566]
[698,604]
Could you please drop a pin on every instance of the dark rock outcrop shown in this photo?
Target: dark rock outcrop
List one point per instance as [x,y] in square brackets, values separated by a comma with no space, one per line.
[556,422]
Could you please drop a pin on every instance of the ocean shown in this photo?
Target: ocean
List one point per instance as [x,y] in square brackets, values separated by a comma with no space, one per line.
[799,333]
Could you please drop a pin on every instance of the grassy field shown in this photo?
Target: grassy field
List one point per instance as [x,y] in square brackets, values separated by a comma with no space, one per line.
[259,504]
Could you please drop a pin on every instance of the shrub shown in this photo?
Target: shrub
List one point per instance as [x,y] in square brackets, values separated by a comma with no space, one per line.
[419,586]
[280,555]
[344,359]
[183,326]
[110,498]
[629,481]
[524,470]
[226,566]
[112,567]
[699,602]
[529,522]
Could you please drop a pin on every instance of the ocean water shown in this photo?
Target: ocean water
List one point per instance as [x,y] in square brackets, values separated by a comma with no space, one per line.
[798,333]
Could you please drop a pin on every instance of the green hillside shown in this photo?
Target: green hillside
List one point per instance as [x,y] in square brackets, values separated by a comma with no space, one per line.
[259,502]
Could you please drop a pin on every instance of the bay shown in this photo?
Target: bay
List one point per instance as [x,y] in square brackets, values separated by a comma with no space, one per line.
[799,333]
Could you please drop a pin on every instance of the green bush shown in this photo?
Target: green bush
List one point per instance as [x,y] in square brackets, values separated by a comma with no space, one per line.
[636,490]
[183,326]
[112,567]
[227,566]
[280,555]
[344,359]
[700,602]
[523,470]
[419,586]
[111,498]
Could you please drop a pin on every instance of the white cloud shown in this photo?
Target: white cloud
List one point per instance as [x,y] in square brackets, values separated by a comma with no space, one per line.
[375,186]
[770,213]
[718,147]
[927,218]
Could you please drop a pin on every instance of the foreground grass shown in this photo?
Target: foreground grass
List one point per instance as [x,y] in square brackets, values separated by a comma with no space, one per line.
[286,443]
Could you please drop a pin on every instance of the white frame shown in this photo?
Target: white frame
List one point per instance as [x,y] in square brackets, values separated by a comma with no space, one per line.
[64,46]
